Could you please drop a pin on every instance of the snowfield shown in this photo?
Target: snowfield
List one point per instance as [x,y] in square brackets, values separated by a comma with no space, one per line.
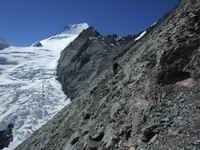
[30,95]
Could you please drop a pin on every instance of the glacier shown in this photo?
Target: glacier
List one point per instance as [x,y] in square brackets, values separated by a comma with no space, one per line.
[30,95]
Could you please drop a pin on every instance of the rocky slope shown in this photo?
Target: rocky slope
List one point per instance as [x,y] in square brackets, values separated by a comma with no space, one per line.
[153,101]
[86,58]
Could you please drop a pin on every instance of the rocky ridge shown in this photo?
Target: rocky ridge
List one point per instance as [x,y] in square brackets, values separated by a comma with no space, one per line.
[153,101]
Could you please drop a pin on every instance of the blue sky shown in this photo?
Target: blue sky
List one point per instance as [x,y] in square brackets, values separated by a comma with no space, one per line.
[26,21]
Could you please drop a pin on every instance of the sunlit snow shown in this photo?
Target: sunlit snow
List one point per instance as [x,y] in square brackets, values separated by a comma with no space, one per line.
[140,36]
[30,95]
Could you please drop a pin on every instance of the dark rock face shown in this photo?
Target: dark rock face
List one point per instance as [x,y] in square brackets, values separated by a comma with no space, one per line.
[171,76]
[85,59]
[37,44]
[6,136]
[152,102]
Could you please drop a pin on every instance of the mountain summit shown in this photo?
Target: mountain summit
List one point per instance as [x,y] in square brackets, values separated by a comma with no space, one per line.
[74,29]
[58,41]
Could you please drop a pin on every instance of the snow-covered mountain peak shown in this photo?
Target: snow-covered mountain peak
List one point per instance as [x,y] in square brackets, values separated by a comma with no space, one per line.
[30,95]
[75,28]
[58,41]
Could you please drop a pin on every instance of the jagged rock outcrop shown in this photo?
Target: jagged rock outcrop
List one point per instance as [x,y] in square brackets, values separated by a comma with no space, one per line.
[37,44]
[86,58]
[153,101]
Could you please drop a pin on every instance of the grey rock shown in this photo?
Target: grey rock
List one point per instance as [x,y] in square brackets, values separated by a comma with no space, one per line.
[144,93]
[109,138]
[84,60]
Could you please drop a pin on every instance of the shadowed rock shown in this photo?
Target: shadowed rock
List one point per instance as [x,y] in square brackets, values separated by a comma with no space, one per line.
[6,136]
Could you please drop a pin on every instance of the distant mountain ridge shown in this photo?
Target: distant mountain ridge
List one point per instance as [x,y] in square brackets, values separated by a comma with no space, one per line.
[3,43]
